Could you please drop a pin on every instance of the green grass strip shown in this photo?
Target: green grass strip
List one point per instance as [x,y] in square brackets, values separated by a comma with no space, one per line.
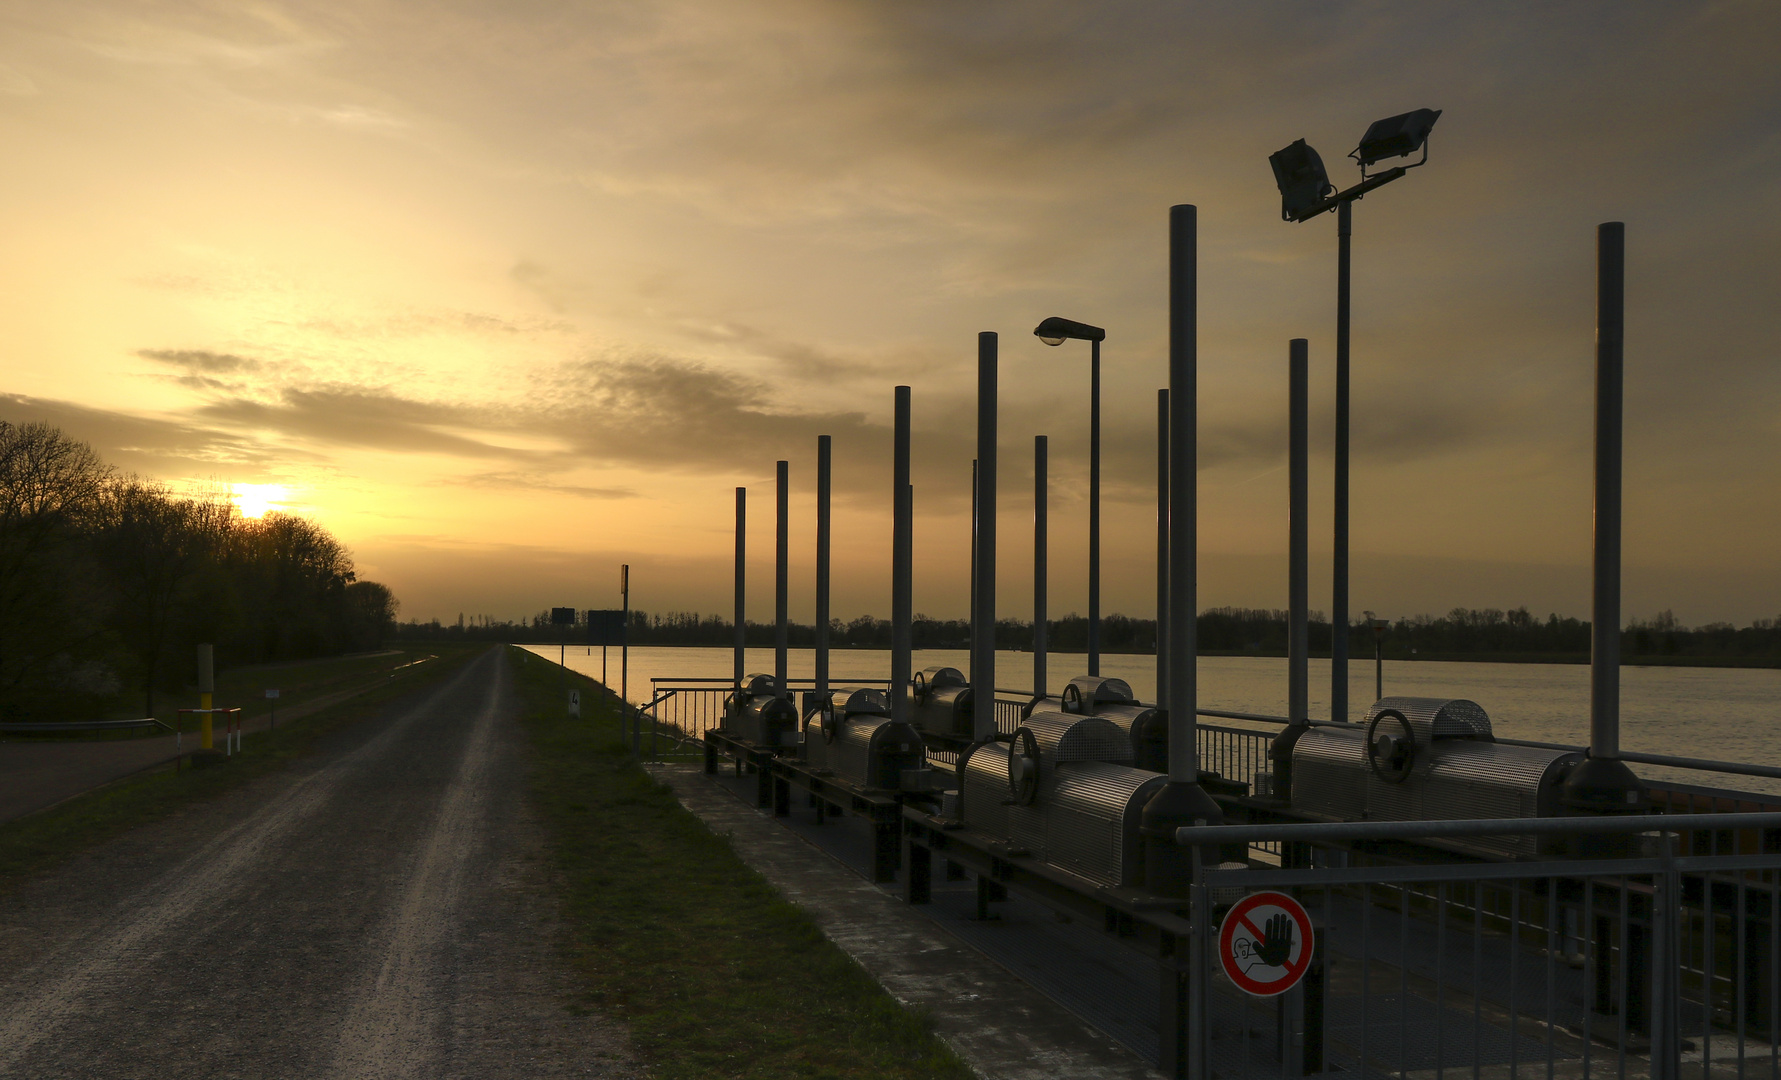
[675,936]
[38,842]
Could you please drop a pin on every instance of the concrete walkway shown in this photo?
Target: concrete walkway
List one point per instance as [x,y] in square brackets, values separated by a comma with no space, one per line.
[1002,1027]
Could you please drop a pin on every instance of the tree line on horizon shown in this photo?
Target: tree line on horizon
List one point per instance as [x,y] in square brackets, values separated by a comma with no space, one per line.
[1463,633]
[108,581]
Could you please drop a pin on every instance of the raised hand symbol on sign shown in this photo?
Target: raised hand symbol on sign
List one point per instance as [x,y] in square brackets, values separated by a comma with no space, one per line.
[1276,946]
[1265,942]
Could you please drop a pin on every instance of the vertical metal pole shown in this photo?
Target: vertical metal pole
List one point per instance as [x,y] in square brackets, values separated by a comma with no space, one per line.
[1298,636]
[782,578]
[1168,868]
[902,560]
[983,664]
[624,638]
[1339,586]
[971,647]
[1604,651]
[1604,783]
[1666,929]
[1199,1035]
[1183,492]
[1041,523]
[1378,663]
[206,696]
[741,585]
[1094,510]
[1162,549]
[822,567]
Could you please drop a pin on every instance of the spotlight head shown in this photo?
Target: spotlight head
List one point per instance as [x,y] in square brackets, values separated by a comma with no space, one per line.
[1056,331]
[1299,173]
[1395,136]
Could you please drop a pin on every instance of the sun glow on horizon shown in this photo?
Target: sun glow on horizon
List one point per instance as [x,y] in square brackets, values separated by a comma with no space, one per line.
[256,500]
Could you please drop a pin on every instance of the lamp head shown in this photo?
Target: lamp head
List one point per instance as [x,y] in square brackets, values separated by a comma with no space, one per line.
[1395,136]
[1056,331]
[1299,173]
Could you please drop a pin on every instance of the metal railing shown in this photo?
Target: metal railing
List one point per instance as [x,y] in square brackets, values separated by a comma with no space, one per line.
[57,727]
[678,713]
[1008,714]
[1234,753]
[683,710]
[1010,702]
[1643,964]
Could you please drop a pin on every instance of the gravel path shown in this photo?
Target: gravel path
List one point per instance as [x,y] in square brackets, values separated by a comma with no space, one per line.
[378,911]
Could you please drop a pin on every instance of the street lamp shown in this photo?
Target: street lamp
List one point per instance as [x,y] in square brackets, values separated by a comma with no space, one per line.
[1056,331]
[1306,192]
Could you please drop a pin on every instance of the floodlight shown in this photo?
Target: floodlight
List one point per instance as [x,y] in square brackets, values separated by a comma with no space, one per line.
[1056,331]
[1306,192]
[1299,173]
[1396,136]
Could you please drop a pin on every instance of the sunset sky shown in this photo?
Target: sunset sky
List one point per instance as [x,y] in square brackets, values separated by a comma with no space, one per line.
[506,294]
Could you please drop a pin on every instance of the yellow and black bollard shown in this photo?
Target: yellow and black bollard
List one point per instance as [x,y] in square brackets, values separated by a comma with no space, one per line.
[206,694]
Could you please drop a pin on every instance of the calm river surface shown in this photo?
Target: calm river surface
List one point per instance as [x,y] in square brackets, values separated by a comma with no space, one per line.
[1728,714]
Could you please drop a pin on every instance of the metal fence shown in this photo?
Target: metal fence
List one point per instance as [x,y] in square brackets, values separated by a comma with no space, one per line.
[1234,753]
[1653,964]
[680,710]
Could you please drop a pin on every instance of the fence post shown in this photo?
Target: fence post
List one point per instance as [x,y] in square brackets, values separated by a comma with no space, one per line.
[1666,1043]
[1198,1067]
[1182,1042]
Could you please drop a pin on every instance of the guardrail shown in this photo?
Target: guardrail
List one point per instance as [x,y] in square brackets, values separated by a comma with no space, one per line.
[684,709]
[58,726]
[1235,753]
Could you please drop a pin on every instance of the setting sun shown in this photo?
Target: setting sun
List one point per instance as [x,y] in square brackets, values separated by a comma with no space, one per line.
[254,500]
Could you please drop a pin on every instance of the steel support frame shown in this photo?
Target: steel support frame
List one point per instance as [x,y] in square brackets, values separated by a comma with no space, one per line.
[757,759]
[1153,926]
[884,809]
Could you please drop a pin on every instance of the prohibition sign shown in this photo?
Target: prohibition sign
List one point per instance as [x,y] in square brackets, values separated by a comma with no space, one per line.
[1265,943]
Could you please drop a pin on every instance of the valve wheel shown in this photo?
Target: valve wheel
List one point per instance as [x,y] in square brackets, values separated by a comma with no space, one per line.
[1391,747]
[1023,767]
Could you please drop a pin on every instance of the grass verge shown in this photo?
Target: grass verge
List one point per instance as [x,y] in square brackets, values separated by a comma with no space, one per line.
[674,935]
[38,842]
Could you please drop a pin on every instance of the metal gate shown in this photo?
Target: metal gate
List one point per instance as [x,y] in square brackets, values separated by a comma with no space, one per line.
[1655,964]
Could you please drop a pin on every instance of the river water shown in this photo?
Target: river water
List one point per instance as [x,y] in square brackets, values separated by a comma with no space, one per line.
[1727,714]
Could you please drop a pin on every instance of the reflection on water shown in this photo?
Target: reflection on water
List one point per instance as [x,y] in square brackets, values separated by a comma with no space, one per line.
[1728,714]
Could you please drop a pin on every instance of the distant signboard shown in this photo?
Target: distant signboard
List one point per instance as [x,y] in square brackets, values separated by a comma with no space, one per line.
[562,616]
[606,627]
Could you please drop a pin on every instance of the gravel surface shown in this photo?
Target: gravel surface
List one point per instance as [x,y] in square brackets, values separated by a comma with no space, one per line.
[377,911]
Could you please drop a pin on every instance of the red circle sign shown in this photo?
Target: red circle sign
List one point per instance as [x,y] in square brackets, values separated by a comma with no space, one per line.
[1265,943]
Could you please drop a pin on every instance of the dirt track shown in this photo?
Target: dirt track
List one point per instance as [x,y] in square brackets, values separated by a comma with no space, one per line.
[375,912]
